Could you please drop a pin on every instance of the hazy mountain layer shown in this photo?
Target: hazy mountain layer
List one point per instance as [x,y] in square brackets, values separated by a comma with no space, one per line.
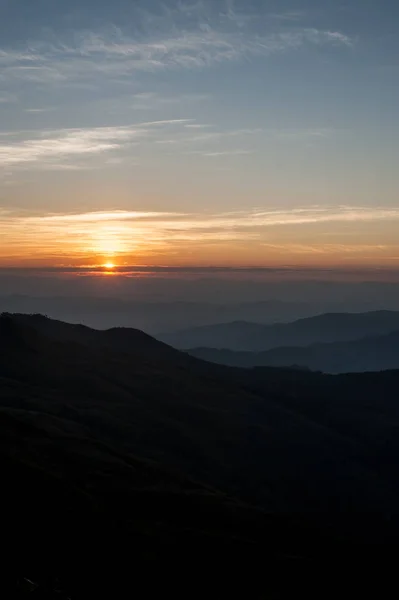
[376,353]
[255,337]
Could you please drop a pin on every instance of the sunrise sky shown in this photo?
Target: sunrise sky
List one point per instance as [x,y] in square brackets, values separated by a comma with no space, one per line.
[234,133]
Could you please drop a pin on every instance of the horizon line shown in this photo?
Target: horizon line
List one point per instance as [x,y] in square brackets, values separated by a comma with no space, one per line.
[122,269]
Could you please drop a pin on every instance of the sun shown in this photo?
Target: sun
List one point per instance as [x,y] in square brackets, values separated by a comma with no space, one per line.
[109,265]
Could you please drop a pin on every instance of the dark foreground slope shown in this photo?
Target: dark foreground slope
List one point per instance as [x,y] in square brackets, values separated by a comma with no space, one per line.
[376,353]
[123,460]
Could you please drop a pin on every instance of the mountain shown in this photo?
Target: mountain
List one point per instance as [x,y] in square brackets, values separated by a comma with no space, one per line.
[154,315]
[125,462]
[255,337]
[376,353]
[79,502]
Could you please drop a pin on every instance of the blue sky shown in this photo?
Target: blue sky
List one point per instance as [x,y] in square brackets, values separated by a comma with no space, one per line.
[200,132]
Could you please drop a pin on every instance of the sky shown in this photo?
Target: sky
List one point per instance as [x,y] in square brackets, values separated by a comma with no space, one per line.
[199,133]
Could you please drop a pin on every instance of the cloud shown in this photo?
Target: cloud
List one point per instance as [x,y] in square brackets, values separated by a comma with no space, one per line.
[202,47]
[64,144]
[9,57]
[186,37]
[302,216]
[152,100]
[303,134]
[39,110]
[76,148]
[209,138]
[6,98]
[325,249]
[98,216]
[198,126]
[291,15]
[124,234]
[165,122]
[225,153]
[49,148]
[216,136]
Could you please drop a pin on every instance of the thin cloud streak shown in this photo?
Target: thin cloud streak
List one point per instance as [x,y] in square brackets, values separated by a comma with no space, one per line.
[193,44]
[153,101]
[144,234]
[326,249]
[49,147]
[225,153]
[98,216]
[254,218]
[74,148]
[64,144]
[202,48]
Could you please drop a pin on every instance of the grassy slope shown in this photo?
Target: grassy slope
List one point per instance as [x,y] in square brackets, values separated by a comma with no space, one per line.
[123,450]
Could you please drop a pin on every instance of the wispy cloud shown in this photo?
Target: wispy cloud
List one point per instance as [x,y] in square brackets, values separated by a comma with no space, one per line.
[302,134]
[322,214]
[154,101]
[199,48]
[65,144]
[52,148]
[68,148]
[198,126]
[290,15]
[98,217]
[216,136]
[183,38]
[225,153]
[39,110]
[127,234]
[151,101]
[325,249]
[6,98]
[165,122]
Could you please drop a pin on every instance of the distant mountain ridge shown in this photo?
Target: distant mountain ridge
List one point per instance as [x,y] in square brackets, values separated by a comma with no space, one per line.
[154,315]
[375,353]
[252,337]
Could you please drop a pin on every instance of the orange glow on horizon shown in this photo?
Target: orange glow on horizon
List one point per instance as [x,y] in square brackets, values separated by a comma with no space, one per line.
[311,237]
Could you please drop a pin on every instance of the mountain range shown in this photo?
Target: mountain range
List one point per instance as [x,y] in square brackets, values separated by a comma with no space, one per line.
[256,337]
[128,463]
[155,314]
[375,353]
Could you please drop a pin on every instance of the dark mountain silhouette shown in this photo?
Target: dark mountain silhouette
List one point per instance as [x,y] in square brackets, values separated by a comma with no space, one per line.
[255,337]
[376,353]
[124,460]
